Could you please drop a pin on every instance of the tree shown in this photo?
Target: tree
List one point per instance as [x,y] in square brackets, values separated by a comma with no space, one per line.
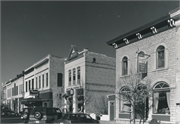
[136,91]
[101,105]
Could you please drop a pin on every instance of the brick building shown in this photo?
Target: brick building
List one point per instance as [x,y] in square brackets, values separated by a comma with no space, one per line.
[46,78]
[89,78]
[159,45]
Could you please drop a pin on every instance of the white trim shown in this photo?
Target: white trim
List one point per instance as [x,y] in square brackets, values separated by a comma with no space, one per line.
[155,57]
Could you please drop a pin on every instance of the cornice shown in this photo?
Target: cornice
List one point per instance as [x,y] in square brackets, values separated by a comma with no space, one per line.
[159,25]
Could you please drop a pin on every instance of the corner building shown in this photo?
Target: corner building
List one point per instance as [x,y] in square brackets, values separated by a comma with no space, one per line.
[45,76]
[89,76]
[159,43]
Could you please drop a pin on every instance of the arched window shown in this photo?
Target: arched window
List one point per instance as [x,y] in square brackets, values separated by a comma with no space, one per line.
[125,106]
[125,66]
[161,98]
[160,54]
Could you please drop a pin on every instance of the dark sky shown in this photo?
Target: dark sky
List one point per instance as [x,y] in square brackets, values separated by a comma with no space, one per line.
[30,30]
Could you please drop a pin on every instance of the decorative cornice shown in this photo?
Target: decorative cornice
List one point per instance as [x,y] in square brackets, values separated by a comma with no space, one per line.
[159,25]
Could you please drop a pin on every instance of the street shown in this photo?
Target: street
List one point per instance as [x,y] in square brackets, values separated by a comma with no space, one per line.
[11,120]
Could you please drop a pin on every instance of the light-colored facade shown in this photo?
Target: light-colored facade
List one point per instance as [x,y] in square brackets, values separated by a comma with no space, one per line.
[46,76]
[14,93]
[160,41]
[89,76]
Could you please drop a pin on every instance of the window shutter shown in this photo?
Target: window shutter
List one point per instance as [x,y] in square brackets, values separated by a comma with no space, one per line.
[59,80]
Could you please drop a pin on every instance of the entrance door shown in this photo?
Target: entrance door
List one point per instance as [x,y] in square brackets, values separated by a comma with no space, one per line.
[111,110]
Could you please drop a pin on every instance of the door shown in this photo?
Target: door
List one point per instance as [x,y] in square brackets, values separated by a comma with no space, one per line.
[111,103]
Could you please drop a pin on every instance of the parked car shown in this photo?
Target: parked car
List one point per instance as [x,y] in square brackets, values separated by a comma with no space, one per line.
[12,113]
[70,118]
[25,114]
[44,115]
[4,113]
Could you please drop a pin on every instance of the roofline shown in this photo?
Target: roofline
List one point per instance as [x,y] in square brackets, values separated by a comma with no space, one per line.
[137,30]
[172,19]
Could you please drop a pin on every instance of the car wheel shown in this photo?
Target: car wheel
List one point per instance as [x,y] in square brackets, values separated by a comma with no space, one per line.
[38,115]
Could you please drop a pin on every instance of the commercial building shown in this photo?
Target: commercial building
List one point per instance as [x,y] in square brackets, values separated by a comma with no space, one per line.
[14,93]
[89,78]
[43,81]
[152,49]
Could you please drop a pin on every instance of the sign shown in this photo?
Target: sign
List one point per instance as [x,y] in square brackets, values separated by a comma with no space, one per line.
[34,92]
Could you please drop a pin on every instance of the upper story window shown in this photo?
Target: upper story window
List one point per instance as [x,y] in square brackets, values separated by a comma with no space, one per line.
[160,54]
[32,83]
[69,77]
[39,81]
[74,76]
[36,83]
[125,66]
[26,86]
[46,79]
[29,85]
[78,74]
[43,80]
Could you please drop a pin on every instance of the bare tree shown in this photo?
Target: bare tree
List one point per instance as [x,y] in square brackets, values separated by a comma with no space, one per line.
[137,91]
[101,105]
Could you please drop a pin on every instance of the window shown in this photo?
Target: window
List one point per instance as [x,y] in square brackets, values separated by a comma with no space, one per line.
[125,66]
[69,77]
[43,80]
[78,75]
[29,84]
[39,81]
[74,76]
[59,79]
[161,98]
[36,83]
[160,54]
[46,79]
[33,84]
[124,103]
[26,86]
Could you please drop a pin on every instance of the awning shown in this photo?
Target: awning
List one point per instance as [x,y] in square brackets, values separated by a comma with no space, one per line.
[32,100]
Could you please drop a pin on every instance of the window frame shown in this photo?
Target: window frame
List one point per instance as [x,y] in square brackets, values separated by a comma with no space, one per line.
[158,50]
[159,90]
[124,69]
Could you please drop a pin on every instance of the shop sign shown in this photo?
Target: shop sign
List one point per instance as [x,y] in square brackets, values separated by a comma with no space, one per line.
[34,92]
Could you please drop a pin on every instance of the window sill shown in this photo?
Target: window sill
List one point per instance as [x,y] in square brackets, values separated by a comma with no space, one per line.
[161,69]
[162,114]
[124,76]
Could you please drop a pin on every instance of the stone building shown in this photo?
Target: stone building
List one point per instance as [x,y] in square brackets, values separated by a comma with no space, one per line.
[43,81]
[89,78]
[154,50]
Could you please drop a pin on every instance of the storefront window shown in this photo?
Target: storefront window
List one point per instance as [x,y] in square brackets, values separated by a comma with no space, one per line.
[161,98]
[124,103]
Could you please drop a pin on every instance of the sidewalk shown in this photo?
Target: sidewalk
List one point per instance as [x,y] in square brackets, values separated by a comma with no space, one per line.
[109,122]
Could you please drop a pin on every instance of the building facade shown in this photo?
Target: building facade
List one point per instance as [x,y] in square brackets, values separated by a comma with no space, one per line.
[153,50]
[89,78]
[14,93]
[46,77]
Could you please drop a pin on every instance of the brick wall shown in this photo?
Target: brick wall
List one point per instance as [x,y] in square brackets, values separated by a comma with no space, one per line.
[149,45]
[56,66]
[100,78]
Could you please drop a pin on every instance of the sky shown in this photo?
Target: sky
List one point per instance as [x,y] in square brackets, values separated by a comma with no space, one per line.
[30,30]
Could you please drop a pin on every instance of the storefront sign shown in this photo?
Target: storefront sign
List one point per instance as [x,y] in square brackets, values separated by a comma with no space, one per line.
[34,92]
